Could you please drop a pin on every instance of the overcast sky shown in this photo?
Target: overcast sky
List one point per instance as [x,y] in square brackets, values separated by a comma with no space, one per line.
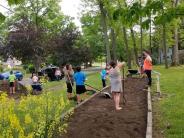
[68,7]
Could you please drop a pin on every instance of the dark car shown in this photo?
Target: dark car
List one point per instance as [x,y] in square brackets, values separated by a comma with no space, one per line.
[5,75]
[50,72]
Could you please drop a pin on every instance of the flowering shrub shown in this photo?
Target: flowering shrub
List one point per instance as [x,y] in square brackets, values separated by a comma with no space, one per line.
[31,116]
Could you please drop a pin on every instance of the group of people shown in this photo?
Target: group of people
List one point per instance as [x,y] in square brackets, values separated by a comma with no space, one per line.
[116,80]
[79,77]
[113,70]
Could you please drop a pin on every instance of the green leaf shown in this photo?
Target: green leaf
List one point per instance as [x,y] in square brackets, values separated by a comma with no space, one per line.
[14,2]
[2,17]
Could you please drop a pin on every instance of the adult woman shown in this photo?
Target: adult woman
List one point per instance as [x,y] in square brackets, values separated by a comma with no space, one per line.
[116,82]
[68,71]
[148,66]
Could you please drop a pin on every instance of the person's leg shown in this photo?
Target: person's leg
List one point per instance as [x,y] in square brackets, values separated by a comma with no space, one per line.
[69,90]
[118,101]
[11,90]
[78,98]
[147,74]
[114,98]
[103,82]
[149,77]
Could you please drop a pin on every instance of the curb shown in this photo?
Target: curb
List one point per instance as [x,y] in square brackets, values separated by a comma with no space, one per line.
[77,106]
[149,115]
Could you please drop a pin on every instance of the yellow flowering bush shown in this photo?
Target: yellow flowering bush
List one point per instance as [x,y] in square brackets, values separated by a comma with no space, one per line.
[31,116]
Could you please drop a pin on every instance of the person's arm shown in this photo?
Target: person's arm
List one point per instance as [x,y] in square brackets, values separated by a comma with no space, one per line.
[84,77]
[121,64]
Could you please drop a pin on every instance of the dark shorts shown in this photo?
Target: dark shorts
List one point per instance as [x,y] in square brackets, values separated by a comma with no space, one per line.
[69,87]
[80,89]
[11,84]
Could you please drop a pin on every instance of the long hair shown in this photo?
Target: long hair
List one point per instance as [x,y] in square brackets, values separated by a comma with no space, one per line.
[112,64]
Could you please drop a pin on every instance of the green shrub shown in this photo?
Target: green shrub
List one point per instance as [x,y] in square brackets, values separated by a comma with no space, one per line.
[31,68]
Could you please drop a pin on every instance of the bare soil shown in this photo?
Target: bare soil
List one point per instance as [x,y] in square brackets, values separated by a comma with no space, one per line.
[97,118]
[20,90]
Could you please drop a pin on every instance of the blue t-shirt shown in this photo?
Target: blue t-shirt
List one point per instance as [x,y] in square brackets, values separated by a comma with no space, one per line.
[103,74]
[79,78]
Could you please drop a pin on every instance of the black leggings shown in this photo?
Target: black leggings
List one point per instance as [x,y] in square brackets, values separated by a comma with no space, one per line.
[103,83]
[148,73]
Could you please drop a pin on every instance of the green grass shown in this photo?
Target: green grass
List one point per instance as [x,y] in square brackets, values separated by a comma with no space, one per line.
[171,107]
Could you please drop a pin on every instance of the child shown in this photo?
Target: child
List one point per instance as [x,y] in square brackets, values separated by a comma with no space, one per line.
[79,78]
[12,79]
[103,76]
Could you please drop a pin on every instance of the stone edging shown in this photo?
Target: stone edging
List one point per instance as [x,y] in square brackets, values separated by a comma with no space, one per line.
[149,115]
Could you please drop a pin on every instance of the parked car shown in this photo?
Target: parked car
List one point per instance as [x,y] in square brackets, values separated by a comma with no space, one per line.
[50,72]
[5,75]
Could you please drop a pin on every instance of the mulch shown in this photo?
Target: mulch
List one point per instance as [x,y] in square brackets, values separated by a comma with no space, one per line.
[97,118]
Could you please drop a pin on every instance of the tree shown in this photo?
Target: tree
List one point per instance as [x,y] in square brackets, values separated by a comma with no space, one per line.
[100,6]
[92,35]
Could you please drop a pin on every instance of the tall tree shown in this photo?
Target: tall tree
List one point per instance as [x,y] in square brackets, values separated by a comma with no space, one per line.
[176,38]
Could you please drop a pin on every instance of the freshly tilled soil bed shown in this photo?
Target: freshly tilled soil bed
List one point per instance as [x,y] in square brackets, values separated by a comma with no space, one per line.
[97,118]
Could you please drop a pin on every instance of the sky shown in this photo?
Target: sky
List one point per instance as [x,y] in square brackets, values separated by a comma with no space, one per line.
[68,7]
[73,9]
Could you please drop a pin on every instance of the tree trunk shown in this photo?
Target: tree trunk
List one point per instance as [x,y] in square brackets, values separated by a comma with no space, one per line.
[104,26]
[134,46]
[113,35]
[141,32]
[150,39]
[127,49]
[175,49]
[165,46]
[175,55]
[141,39]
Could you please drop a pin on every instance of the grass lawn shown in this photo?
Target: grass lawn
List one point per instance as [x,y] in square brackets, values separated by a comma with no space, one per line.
[60,87]
[171,106]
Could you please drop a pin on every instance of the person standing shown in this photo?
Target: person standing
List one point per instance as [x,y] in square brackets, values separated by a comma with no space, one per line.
[148,66]
[68,72]
[116,82]
[103,76]
[11,80]
[79,78]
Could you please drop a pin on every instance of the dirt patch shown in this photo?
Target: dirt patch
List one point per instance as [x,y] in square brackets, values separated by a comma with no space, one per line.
[97,118]
[19,88]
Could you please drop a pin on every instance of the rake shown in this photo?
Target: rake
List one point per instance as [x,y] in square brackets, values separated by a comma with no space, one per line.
[106,94]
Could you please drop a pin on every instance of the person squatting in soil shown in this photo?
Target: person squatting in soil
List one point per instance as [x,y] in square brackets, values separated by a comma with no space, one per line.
[116,82]
[79,78]
[68,72]
[12,79]
[148,66]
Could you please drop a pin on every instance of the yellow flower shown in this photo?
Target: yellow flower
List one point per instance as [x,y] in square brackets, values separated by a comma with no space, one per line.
[28,119]
[14,122]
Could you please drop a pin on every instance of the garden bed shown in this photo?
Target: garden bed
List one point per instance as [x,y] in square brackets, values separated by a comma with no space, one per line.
[97,118]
